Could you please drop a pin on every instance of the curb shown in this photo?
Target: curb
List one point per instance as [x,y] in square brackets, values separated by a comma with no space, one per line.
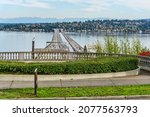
[10,77]
[145,68]
[131,97]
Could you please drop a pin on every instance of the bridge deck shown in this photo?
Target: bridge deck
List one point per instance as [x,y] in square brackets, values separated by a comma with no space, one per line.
[75,46]
[56,45]
[56,37]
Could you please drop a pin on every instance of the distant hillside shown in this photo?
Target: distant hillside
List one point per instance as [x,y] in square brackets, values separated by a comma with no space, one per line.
[44,20]
[148,19]
[109,26]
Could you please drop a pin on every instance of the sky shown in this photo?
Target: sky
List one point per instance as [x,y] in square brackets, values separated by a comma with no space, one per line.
[116,9]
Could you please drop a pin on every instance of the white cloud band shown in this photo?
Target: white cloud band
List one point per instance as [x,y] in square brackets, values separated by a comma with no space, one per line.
[88,5]
[26,3]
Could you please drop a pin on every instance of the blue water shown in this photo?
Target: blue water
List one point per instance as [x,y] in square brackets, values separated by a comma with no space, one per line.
[21,41]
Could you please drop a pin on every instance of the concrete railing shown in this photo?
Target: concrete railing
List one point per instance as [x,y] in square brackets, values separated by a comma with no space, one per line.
[15,55]
[63,56]
[42,56]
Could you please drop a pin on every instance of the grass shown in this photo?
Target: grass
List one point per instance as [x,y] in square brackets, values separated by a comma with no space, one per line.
[76,92]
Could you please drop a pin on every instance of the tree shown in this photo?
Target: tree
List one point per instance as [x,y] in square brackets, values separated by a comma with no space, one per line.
[98,47]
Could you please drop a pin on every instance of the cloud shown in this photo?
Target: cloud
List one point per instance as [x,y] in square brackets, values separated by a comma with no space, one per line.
[98,5]
[89,5]
[86,5]
[26,3]
[135,4]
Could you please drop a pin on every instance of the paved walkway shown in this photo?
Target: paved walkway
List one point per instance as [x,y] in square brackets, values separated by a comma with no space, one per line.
[26,81]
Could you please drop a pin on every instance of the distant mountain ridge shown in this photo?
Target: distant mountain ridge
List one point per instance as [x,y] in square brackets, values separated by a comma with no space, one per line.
[44,20]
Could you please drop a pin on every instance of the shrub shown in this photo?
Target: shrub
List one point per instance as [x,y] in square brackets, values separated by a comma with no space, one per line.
[136,46]
[125,46]
[98,65]
[98,47]
[112,45]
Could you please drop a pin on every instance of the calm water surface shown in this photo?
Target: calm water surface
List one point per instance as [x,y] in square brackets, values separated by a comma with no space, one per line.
[21,41]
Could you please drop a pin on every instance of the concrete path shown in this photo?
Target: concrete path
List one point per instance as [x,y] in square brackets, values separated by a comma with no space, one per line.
[26,81]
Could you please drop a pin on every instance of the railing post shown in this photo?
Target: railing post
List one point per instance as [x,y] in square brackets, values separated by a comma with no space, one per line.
[33,43]
[35,82]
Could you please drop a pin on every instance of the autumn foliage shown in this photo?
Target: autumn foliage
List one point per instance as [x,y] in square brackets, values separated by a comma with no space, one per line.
[145,53]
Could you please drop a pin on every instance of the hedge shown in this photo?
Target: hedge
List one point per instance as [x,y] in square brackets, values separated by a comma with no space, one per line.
[99,65]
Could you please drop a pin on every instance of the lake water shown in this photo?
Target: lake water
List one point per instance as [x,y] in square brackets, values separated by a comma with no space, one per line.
[21,41]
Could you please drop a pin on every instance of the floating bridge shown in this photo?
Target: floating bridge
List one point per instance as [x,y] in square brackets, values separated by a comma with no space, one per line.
[57,45]
[75,46]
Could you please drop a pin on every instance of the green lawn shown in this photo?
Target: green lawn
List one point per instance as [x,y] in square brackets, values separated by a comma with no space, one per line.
[76,92]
